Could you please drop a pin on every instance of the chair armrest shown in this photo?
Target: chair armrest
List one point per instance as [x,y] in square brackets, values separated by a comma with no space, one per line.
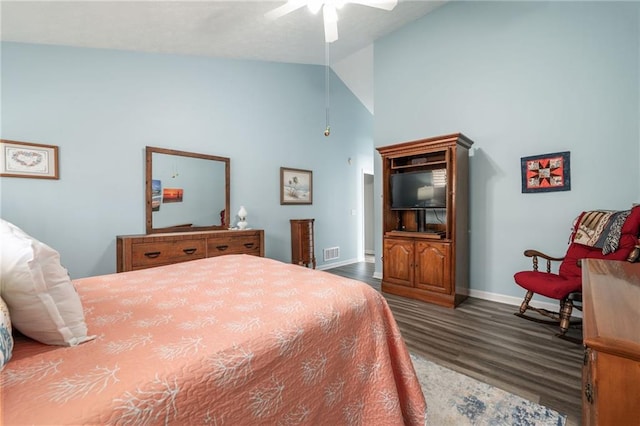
[534,254]
[531,253]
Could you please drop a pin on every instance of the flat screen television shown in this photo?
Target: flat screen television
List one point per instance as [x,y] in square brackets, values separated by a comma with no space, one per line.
[419,190]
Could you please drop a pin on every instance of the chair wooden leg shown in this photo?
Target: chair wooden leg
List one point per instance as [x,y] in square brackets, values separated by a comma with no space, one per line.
[565,315]
[561,318]
[525,303]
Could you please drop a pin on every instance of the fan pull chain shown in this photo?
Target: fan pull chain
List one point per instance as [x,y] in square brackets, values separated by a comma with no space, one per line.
[327,130]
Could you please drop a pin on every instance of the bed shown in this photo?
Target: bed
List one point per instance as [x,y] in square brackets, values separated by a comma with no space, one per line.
[234,340]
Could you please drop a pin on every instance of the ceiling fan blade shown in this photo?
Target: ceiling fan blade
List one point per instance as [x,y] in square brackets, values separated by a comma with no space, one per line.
[286,8]
[379,4]
[330,23]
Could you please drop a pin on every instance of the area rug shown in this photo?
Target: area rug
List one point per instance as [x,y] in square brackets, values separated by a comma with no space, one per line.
[455,399]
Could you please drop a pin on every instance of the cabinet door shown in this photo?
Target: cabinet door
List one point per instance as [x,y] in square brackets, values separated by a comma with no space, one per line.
[433,271]
[398,261]
[588,417]
[615,384]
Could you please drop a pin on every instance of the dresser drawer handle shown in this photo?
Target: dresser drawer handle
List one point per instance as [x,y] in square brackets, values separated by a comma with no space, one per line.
[152,254]
[222,247]
[190,250]
[248,245]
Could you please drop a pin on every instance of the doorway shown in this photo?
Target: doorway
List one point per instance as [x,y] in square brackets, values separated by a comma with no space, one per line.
[368,217]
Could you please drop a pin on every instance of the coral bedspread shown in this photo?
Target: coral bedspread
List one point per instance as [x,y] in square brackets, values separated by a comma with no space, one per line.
[232,340]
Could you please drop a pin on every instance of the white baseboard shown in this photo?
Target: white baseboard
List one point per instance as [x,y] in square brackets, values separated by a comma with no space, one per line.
[516,301]
[338,264]
[479,294]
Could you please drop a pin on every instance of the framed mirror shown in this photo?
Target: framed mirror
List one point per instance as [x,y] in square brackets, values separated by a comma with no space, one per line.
[186,191]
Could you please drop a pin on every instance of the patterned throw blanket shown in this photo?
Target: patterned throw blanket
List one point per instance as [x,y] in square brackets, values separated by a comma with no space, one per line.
[600,229]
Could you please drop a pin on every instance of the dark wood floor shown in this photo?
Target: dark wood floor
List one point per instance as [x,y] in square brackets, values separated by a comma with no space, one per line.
[484,340]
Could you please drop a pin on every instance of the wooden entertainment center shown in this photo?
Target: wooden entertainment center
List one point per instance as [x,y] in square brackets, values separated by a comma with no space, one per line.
[426,244]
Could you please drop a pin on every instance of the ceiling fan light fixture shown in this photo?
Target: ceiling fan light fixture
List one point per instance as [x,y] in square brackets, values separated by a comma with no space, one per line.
[315,5]
[330,14]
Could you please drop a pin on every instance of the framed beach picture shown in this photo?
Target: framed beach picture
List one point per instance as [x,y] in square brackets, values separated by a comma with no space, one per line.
[156,194]
[172,195]
[546,172]
[296,186]
[28,160]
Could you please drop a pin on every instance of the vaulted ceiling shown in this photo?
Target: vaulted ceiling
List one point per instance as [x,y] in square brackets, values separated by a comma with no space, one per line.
[230,29]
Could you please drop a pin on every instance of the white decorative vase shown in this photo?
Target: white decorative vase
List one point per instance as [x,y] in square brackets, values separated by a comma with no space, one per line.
[242,214]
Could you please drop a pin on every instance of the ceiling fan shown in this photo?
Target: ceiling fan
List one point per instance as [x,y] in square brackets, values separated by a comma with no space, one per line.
[329,11]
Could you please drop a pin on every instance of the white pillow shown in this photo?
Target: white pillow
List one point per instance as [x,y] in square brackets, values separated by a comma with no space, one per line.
[42,301]
[6,339]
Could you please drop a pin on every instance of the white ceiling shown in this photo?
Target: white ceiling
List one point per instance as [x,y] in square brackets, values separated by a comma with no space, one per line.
[231,29]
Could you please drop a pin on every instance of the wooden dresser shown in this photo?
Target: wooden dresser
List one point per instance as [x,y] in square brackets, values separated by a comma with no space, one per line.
[149,250]
[611,330]
[302,251]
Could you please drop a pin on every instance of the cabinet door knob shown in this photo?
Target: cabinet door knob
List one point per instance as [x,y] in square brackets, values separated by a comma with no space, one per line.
[248,245]
[152,254]
[222,247]
[190,250]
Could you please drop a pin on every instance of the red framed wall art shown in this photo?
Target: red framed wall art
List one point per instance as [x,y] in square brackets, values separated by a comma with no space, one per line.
[546,173]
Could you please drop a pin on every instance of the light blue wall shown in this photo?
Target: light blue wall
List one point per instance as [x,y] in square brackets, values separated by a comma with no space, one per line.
[102,107]
[520,79]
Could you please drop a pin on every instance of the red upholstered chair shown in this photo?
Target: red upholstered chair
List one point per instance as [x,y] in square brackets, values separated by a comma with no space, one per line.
[594,234]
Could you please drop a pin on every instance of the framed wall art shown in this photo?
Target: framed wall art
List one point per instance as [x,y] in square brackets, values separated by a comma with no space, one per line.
[296,186]
[156,194]
[28,160]
[546,173]
[172,195]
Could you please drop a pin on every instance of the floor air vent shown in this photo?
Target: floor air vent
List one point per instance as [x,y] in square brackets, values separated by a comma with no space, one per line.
[331,253]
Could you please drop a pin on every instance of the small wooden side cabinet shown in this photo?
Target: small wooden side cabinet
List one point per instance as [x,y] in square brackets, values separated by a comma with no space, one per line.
[146,251]
[302,251]
[611,315]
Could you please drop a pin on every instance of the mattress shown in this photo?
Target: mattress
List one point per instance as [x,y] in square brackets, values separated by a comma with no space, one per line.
[234,339]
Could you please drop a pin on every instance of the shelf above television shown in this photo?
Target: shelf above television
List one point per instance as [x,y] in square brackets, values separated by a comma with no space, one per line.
[413,166]
[436,158]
